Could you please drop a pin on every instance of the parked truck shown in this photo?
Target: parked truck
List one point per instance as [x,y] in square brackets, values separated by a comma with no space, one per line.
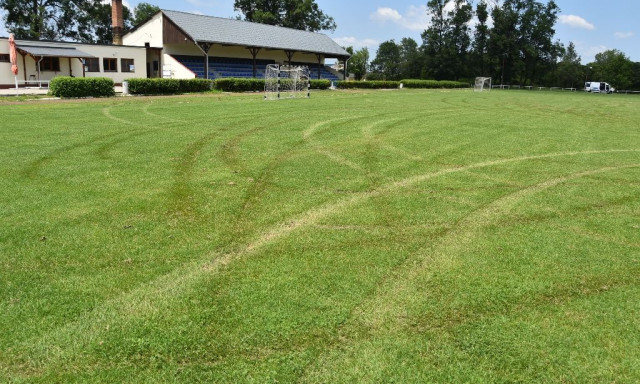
[598,87]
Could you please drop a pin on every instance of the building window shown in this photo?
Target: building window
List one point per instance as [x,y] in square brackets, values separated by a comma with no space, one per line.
[50,64]
[127,65]
[110,65]
[92,65]
[4,58]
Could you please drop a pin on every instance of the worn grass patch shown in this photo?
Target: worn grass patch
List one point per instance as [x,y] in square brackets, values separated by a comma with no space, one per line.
[366,236]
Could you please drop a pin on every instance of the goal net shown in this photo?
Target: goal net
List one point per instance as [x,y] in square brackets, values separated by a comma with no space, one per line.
[482,84]
[285,81]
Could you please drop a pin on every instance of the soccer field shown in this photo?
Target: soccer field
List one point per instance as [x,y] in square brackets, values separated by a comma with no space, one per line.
[357,236]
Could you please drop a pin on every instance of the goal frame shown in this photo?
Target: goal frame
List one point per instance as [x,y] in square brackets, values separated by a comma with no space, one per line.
[482,84]
[286,82]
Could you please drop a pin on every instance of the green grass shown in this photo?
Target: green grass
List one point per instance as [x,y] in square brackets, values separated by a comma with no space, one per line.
[369,236]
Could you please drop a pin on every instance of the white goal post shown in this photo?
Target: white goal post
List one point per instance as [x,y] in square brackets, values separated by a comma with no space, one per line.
[286,81]
[482,84]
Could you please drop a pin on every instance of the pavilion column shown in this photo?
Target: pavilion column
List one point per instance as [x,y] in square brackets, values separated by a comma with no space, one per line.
[205,49]
[344,69]
[84,71]
[319,57]
[254,52]
[289,56]
[24,65]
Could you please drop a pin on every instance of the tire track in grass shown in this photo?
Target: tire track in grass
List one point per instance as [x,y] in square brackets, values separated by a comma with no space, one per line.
[383,310]
[52,349]
[596,236]
[33,168]
[107,112]
[181,192]
[258,187]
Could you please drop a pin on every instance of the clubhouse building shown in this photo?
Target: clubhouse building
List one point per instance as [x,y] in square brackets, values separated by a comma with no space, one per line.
[177,45]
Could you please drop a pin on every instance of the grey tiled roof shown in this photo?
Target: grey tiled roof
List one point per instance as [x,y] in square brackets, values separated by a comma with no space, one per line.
[45,50]
[219,30]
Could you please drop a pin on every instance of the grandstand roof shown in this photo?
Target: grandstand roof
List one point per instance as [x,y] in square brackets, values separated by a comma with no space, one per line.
[218,30]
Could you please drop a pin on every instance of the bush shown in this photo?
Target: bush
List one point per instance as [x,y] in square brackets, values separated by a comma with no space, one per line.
[434,84]
[65,86]
[194,85]
[320,84]
[369,84]
[239,85]
[168,86]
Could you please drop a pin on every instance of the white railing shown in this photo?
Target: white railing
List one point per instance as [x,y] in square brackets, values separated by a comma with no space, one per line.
[33,83]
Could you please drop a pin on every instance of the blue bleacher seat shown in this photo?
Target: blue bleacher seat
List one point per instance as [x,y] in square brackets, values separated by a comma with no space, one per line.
[243,68]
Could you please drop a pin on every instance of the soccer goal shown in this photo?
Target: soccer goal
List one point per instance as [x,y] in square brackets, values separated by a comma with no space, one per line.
[482,84]
[286,81]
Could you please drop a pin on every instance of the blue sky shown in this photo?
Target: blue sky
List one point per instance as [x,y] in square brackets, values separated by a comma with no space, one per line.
[593,25]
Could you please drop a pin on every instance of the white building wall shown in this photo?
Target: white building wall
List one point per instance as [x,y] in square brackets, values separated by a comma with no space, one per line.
[150,32]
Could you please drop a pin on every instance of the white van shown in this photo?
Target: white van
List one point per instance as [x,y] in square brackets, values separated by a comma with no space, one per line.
[598,87]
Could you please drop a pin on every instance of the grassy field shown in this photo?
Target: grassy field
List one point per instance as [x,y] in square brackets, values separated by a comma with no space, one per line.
[379,236]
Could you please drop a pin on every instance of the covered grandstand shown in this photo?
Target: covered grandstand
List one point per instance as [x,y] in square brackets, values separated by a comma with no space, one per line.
[185,45]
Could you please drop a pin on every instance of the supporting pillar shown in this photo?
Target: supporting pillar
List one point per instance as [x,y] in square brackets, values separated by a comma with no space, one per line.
[70,70]
[319,57]
[344,69]
[204,47]
[84,71]
[289,56]
[254,52]
[24,65]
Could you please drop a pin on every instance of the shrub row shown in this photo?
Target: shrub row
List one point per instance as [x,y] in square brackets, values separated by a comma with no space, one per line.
[257,85]
[320,84]
[239,85]
[168,86]
[376,84]
[434,84]
[65,86]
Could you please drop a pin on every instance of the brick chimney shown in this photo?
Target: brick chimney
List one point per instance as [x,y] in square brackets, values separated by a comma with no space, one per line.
[117,23]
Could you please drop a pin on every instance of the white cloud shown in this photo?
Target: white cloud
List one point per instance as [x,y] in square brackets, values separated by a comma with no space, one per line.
[356,43]
[576,22]
[414,19]
[623,35]
[386,14]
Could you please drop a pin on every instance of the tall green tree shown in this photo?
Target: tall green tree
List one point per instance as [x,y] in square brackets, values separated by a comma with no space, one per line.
[96,27]
[410,59]
[434,41]
[447,41]
[570,72]
[359,62]
[387,62]
[297,14]
[614,67]
[143,12]
[458,38]
[521,40]
[635,85]
[481,40]
[77,20]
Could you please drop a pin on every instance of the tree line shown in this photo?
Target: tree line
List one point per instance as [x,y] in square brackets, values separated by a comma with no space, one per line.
[517,49]
[86,21]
